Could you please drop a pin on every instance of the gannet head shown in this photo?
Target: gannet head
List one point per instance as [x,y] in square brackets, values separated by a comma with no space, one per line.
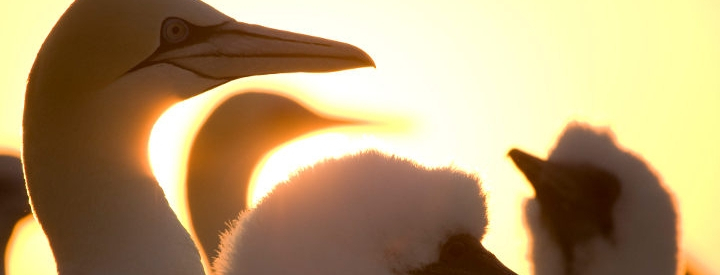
[231,142]
[576,197]
[185,44]
[112,67]
[364,214]
[601,208]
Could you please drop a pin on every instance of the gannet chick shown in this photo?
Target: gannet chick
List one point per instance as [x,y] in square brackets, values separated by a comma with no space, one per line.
[226,149]
[14,203]
[598,209]
[364,214]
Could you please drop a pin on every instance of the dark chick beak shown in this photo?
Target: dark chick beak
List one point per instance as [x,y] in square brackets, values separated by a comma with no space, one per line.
[579,184]
[551,181]
[463,254]
[531,166]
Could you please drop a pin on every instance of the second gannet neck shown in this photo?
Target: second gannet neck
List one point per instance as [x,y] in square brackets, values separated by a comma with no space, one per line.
[226,150]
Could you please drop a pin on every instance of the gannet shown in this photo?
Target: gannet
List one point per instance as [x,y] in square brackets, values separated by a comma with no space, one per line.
[14,203]
[598,208]
[367,213]
[103,76]
[226,149]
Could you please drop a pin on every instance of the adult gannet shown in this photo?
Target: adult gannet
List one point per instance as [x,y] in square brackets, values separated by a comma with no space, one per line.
[364,214]
[101,79]
[598,209]
[13,200]
[226,149]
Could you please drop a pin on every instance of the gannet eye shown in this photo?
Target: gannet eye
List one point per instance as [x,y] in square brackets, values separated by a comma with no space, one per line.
[175,30]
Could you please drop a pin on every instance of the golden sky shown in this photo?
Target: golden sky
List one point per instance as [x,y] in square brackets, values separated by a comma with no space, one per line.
[472,79]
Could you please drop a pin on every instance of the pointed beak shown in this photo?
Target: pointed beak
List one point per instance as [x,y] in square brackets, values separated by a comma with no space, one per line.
[531,166]
[464,255]
[496,267]
[233,50]
[485,263]
[329,122]
[574,184]
[547,179]
[577,200]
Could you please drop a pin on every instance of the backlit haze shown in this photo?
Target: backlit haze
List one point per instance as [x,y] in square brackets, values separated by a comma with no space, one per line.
[460,83]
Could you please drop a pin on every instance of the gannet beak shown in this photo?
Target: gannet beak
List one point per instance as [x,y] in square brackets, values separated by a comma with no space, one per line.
[573,183]
[531,166]
[463,254]
[233,50]
[577,199]
[553,182]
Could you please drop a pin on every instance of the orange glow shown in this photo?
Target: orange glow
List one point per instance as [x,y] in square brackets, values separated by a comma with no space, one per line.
[169,143]
[29,245]
[469,79]
[285,161]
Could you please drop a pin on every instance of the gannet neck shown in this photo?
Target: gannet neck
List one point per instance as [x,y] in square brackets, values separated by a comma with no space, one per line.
[102,191]
[228,147]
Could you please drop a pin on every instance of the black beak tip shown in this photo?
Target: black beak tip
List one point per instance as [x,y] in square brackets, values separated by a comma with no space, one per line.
[362,56]
[520,157]
[514,153]
[531,166]
[367,60]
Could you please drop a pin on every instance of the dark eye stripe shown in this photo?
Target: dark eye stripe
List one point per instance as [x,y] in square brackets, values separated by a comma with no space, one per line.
[177,33]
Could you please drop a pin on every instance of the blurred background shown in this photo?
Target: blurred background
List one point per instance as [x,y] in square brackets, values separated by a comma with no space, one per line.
[459,83]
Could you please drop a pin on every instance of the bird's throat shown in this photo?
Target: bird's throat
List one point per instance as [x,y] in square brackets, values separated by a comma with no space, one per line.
[91,188]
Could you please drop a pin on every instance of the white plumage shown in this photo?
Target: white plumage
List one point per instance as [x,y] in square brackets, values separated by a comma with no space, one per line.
[364,214]
[599,209]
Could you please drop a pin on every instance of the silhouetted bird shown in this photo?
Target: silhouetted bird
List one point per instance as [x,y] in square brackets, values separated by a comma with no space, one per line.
[226,149]
[364,214]
[14,203]
[598,209]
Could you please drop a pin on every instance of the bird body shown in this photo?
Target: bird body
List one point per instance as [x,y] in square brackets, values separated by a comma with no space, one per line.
[364,214]
[599,209]
[104,75]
